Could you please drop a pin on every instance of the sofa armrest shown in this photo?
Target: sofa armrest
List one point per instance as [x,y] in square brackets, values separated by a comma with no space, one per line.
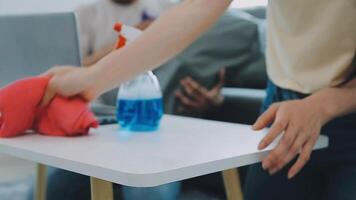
[242,105]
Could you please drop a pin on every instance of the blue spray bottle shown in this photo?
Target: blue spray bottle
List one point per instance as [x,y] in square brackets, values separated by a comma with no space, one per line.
[139,101]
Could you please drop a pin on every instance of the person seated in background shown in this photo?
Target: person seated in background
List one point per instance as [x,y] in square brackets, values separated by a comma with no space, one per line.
[97,38]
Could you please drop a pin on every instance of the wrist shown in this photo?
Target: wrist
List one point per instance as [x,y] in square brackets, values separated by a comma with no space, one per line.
[323,107]
[92,79]
[327,112]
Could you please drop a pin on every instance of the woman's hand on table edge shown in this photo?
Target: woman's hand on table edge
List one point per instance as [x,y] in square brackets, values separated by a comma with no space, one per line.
[300,123]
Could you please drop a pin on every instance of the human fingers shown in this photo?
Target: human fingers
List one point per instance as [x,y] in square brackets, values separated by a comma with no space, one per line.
[291,144]
[194,90]
[304,157]
[49,94]
[266,118]
[185,100]
[221,80]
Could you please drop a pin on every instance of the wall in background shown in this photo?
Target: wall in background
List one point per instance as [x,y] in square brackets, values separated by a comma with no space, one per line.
[40,6]
[248,3]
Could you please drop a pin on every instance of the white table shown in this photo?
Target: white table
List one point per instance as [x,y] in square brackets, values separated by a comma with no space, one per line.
[183,148]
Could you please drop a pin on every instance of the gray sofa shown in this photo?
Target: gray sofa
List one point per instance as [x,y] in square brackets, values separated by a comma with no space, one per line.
[243,102]
[236,43]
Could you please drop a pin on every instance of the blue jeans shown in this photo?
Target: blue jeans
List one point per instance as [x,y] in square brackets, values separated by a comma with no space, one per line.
[72,186]
[329,175]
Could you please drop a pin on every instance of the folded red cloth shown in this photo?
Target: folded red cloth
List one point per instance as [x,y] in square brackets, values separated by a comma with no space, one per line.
[20,111]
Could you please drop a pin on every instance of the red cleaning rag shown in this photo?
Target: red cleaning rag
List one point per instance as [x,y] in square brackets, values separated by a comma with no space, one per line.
[20,111]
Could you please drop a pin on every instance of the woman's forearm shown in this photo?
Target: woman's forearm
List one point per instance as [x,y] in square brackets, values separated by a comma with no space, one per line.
[164,39]
[337,101]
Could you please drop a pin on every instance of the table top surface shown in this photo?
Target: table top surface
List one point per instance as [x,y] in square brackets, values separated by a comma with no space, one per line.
[183,148]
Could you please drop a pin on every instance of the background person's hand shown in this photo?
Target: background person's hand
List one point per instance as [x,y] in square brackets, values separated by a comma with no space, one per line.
[300,121]
[68,81]
[197,97]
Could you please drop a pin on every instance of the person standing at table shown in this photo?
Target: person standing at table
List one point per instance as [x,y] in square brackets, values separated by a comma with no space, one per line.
[311,63]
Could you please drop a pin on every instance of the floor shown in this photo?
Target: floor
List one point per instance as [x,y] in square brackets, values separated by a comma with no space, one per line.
[16,177]
[13,169]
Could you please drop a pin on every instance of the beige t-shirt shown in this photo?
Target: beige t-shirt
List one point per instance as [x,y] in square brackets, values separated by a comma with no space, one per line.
[310,43]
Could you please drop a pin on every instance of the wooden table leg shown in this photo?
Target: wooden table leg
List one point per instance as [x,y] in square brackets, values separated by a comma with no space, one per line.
[232,184]
[101,190]
[41,182]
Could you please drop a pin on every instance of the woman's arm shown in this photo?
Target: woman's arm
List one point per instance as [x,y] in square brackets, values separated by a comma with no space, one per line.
[166,37]
[338,100]
[96,56]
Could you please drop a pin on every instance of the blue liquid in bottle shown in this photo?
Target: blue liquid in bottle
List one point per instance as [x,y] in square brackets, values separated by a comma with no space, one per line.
[139,114]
